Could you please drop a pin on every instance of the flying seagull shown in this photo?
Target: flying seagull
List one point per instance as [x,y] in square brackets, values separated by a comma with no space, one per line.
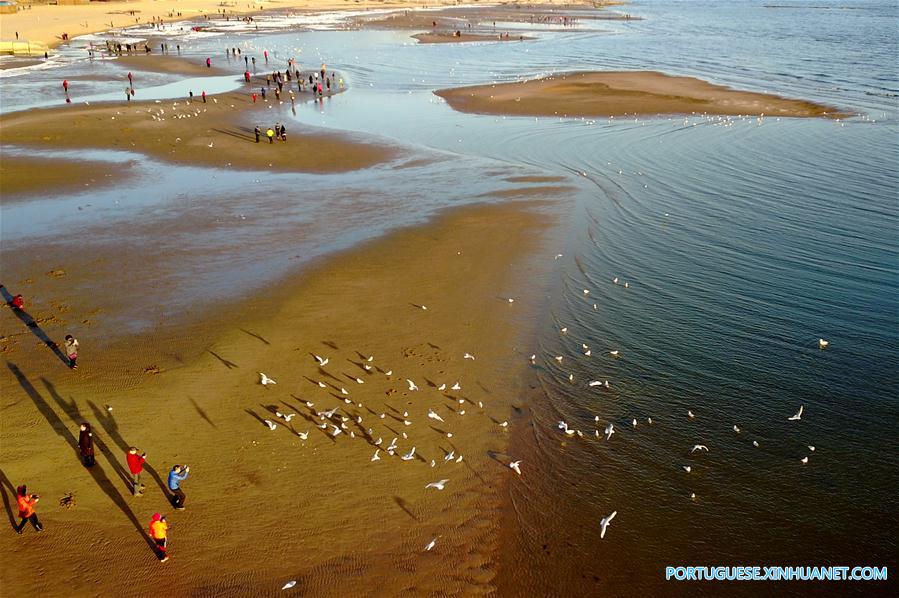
[322,361]
[699,447]
[271,425]
[610,429]
[796,417]
[409,456]
[376,457]
[438,485]
[604,523]
[514,466]
[433,415]
[430,545]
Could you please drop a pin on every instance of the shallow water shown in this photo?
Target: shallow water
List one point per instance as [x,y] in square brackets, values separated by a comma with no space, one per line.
[742,242]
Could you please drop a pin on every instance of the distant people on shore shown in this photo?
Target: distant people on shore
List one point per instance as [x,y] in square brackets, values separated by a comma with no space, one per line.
[86,445]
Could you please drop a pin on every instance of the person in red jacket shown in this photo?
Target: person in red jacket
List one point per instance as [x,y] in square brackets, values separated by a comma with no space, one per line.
[18,303]
[26,504]
[136,467]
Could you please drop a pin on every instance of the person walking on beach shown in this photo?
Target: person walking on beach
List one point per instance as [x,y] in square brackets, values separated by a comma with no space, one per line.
[256,132]
[26,504]
[71,345]
[136,467]
[204,96]
[176,476]
[130,79]
[86,444]
[65,85]
[209,63]
[263,93]
[159,529]
[270,134]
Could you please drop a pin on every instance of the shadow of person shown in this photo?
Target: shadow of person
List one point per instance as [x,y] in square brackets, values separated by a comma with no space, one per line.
[33,326]
[111,427]
[96,472]
[4,485]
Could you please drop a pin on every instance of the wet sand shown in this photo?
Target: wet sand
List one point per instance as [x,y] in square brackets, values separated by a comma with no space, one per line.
[23,177]
[449,38]
[602,94]
[218,133]
[332,518]
[176,65]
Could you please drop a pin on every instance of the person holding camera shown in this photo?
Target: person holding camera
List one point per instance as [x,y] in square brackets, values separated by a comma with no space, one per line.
[136,467]
[176,476]
[26,504]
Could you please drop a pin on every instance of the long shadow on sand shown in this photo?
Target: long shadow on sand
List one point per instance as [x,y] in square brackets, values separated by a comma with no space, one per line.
[33,326]
[96,472]
[4,485]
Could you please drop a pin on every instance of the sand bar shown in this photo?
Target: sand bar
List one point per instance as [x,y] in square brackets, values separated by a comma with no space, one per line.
[23,177]
[617,93]
[324,506]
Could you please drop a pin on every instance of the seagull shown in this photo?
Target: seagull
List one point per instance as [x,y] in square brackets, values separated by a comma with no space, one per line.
[289,585]
[699,447]
[804,460]
[409,456]
[610,429]
[449,456]
[392,446]
[614,353]
[533,358]
[504,425]
[322,385]
[459,459]
[456,386]
[514,466]
[571,378]
[736,428]
[564,330]
[588,353]
[303,435]
[271,425]
[634,422]
[693,495]
[424,307]
[388,372]
[604,523]
[796,417]
[615,280]
[558,255]
[438,485]
[433,415]
[586,292]
[511,300]
[755,443]
[595,383]
[288,416]
[336,430]
[344,391]
[430,545]
[360,381]
[328,414]
[822,344]
[690,414]
[811,448]
[322,361]
[366,367]
[558,358]
[468,356]
[649,420]
[406,422]
[210,144]
[264,380]
[412,385]
[687,468]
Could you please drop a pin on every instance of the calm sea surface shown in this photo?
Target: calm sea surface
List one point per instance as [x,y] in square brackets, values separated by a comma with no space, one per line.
[742,242]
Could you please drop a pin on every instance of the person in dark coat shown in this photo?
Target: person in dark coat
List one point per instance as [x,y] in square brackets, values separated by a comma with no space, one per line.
[86,445]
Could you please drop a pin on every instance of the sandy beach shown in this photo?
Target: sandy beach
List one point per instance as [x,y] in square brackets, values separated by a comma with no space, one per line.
[602,94]
[326,505]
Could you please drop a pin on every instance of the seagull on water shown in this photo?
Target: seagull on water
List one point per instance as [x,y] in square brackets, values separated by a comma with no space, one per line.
[755,443]
[804,460]
[514,466]
[434,415]
[344,391]
[449,456]
[811,448]
[690,414]
[634,422]
[736,428]
[505,424]
[610,429]
[796,417]
[564,330]
[604,523]
[687,468]
[699,447]
[412,385]
[265,380]
[595,383]
[558,358]
[438,485]
[614,353]
[822,344]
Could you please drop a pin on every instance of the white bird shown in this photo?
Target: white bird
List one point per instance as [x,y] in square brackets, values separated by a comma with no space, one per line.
[558,358]
[614,353]
[604,523]
[370,358]
[533,358]
[336,430]
[588,353]
[406,422]
[289,585]
[360,381]
[558,255]
[409,456]
[456,386]
[271,425]
[649,420]
[571,378]
[615,280]
[412,385]
[504,425]
[328,414]
[514,466]
[344,391]
[366,367]
[303,435]
[736,428]
[438,485]
[459,459]
[822,344]
[626,285]
[376,456]
[511,300]
[564,329]
[699,447]
[424,307]
[610,429]
[430,545]
[687,468]
[468,356]
[595,383]
[755,443]
[264,380]
[586,292]
[322,361]
[449,456]
[388,372]
[210,144]
[379,441]
[322,385]
[634,422]
[392,446]
[442,387]
[811,448]
[693,495]
[804,460]
[796,417]
[289,416]
[434,415]
[690,414]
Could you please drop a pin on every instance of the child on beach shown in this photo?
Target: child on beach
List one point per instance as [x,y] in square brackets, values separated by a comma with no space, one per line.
[136,467]
[26,504]
[158,532]
[72,351]
[86,445]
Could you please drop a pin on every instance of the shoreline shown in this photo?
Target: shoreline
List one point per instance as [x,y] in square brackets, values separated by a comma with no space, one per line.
[214,397]
[619,93]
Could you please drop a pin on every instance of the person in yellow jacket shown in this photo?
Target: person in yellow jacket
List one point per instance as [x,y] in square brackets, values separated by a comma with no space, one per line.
[159,533]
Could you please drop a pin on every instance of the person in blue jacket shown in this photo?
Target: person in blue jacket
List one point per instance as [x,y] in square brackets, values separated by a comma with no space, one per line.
[176,476]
